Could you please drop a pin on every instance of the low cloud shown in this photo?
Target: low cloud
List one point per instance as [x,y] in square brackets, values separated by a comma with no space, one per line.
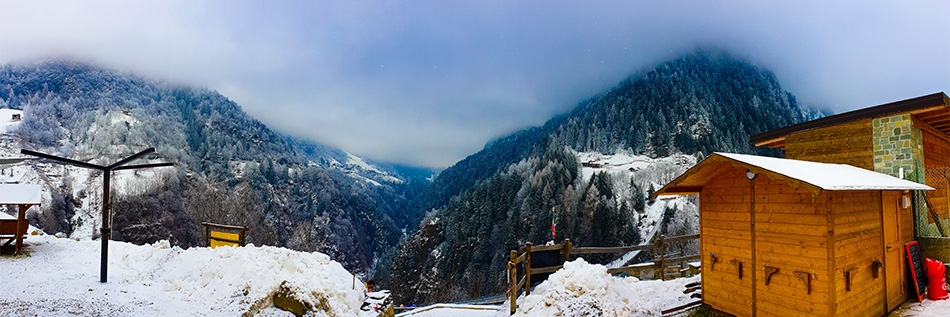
[427,83]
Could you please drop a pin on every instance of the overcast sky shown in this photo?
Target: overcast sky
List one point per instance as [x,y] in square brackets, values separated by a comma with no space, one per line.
[429,82]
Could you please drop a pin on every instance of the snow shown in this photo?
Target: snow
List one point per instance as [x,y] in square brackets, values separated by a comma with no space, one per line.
[7,124]
[583,289]
[645,171]
[828,176]
[60,276]
[453,310]
[653,220]
[20,194]
[616,163]
[927,308]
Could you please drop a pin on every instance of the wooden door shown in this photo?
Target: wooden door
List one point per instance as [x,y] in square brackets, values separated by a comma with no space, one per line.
[892,250]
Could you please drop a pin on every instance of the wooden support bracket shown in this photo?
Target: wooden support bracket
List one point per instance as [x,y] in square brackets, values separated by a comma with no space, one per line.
[769,271]
[738,265]
[848,277]
[805,277]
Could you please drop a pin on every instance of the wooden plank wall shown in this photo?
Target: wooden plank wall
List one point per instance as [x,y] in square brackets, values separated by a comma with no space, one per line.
[726,232]
[937,155]
[791,234]
[846,143]
[858,243]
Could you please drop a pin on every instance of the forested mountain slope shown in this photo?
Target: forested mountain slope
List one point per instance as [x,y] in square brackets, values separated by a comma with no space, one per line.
[509,192]
[230,167]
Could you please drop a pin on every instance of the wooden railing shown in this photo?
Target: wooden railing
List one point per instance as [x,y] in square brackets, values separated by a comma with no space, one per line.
[520,270]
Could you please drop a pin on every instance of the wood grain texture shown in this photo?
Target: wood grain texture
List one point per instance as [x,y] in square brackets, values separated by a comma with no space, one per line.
[846,143]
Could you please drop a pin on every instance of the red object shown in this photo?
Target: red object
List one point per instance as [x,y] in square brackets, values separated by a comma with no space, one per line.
[937,282]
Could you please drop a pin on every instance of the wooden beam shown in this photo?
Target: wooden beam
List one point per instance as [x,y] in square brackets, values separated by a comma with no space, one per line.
[928,109]
[131,158]
[138,166]
[769,141]
[685,190]
[933,114]
[20,218]
[777,145]
[923,126]
[63,160]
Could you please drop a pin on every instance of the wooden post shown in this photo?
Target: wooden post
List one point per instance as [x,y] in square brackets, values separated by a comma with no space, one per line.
[527,269]
[20,219]
[513,281]
[106,230]
[661,250]
[567,250]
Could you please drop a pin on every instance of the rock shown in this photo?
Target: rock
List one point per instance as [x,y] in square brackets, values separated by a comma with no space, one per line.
[285,299]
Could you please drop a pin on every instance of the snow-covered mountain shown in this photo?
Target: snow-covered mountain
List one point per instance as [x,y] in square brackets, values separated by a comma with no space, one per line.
[588,172]
[230,168]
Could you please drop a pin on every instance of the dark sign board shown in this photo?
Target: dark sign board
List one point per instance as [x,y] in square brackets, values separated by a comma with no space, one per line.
[545,259]
[916,269]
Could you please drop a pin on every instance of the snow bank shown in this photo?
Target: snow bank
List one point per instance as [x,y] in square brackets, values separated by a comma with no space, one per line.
[583,289]
[164,280]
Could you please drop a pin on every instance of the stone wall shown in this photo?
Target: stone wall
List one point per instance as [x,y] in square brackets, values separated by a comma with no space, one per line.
[898,144]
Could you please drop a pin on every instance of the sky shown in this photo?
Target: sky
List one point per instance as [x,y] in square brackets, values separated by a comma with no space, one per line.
[427,83]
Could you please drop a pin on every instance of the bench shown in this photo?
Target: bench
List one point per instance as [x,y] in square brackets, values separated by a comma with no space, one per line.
[8,230]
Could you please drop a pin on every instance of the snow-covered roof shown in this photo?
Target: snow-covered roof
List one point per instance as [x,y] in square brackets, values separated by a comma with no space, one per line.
[812,175]
[15,194]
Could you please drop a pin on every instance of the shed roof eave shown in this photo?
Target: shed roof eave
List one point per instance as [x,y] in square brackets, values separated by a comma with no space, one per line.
[900,106]
[812,176]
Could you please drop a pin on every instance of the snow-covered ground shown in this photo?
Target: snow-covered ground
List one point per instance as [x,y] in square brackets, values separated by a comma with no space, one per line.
[583,289]
[927,308]
[7,124]
[646,172]
[453,310]
[60,276]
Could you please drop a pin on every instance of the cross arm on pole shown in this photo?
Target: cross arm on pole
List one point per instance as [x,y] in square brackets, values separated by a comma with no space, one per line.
[63,160]
[131,158]
[129,167]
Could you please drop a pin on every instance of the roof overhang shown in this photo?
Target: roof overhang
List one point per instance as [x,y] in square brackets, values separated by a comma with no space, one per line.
[934,109]
[812,176]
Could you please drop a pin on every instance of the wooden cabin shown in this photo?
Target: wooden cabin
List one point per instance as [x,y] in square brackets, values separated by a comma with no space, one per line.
[909,139]
[781,237]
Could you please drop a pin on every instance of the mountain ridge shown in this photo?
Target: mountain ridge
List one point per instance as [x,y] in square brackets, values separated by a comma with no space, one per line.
[232,168]
[694,104]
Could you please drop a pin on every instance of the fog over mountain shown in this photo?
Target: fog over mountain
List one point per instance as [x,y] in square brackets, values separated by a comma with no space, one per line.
[427,83]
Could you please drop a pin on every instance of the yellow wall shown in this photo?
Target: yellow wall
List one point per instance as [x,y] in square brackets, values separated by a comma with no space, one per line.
[846,143]
[726,232]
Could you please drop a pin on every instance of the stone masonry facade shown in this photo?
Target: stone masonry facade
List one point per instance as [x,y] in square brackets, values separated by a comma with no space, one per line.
[898,144]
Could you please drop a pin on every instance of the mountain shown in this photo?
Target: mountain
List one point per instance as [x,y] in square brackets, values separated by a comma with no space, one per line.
[230,168]
[508,193]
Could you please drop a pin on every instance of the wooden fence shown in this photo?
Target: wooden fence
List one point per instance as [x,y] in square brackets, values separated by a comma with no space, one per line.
[520,270]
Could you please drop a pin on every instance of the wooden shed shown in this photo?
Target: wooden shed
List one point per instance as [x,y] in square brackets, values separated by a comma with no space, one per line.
[790,238]
[908,138]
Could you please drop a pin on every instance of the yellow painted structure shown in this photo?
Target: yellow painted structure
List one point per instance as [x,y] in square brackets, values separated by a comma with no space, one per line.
[776,245]
[220,238]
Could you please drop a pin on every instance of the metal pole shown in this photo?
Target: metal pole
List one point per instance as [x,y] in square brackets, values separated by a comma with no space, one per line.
[106,230]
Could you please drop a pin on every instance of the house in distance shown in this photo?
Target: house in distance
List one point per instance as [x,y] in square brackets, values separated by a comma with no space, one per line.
[822,232]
